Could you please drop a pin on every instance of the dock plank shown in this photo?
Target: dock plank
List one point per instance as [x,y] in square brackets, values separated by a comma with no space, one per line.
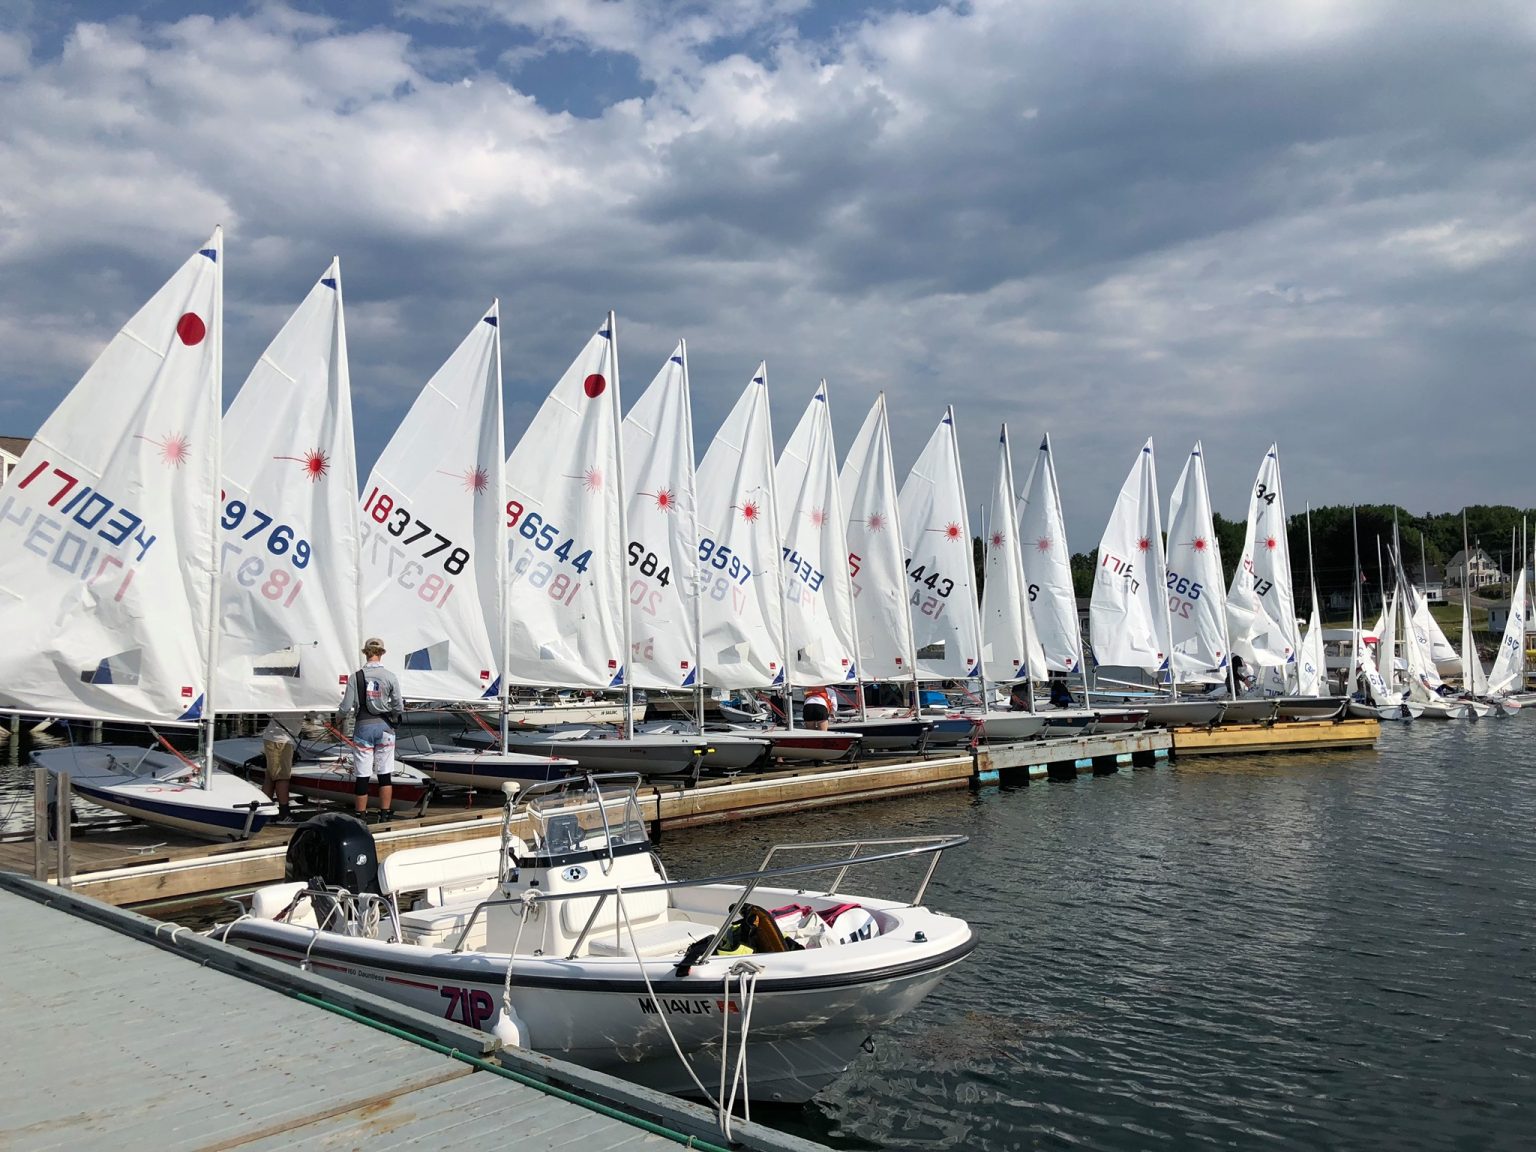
[121,1045]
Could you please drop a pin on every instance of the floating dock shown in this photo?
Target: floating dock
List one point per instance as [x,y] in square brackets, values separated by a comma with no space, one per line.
[1287,736]
[127,1033]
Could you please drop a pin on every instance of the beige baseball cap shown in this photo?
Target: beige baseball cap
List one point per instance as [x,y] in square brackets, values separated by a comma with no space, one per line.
[373,644]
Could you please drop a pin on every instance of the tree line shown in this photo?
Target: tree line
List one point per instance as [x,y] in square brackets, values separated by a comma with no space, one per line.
[1435,536]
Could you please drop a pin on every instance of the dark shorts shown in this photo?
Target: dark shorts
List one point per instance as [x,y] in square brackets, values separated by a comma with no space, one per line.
[814,712]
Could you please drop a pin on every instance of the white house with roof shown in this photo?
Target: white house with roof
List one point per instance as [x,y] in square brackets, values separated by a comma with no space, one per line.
[1474,570]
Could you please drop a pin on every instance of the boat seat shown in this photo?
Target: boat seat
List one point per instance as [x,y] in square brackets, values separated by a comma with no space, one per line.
[440,927]
[444,871]
[658,938]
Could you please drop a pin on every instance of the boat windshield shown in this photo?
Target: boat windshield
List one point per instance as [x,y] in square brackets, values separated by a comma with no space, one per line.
[579,814]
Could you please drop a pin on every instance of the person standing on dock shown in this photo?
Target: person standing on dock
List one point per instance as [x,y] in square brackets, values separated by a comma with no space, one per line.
[817,709]
[378,705]
[277,745]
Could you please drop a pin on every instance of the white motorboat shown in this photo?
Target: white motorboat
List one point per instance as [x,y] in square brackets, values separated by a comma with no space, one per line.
[161,788]
[575,942]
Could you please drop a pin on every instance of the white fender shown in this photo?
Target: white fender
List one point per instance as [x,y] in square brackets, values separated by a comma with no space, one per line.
[509,1028]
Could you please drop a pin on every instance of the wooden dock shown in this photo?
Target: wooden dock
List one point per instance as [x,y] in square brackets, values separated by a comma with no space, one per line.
[1286,736]
[124,1033]
[138,865]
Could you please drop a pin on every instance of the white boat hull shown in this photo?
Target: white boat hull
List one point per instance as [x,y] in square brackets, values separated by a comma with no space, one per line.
[162,789]
[1404,711]
[811,1012]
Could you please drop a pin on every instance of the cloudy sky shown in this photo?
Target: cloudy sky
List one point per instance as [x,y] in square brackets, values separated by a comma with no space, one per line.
[1300,221]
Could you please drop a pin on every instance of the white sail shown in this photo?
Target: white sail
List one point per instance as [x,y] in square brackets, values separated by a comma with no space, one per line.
[108,551]
[741,615]
[818,599]
[431,529]
[1441,650]
[1386,643]
[1009,649]
[876,556]
[940,568]
[1473,678]
[1379,692]
[289,548]
[1048,568]
[1261,607]
[663,550]
[1197,609]
[1418,649]
[1311,666]
[1128,614]
[1509,664]
[567,558]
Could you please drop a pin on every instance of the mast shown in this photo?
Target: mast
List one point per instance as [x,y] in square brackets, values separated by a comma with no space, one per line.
[1029,675]
[841,563]
[777,536]
[215,541]
[618,454]
[1357,623]
[502,614]
[974,607]
[698,592]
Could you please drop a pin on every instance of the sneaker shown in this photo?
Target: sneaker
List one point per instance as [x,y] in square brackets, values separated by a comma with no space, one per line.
[287,818]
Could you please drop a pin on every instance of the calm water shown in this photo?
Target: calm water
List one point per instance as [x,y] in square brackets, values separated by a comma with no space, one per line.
[1330,951]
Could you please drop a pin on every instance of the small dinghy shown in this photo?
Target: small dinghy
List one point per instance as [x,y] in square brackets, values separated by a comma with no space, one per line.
[569,938]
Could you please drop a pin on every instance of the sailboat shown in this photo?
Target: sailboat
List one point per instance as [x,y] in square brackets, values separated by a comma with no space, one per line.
[1197,617]
[1506,680]
[290,630]
[1010,652]
[940,565]
[109,562]
[877,576]
[575,588]
[1474,680]
[1128,616]
[1380,702]
[1423,678]
[428,571]
[820,639]
[1047,562]
[1261,609]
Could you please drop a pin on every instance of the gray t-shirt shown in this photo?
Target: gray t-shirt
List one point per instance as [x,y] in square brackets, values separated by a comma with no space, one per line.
[382,688]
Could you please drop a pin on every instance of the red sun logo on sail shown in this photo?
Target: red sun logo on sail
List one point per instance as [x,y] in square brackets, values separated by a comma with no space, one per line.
[750,512]
[175,449]
[666,501]
[314,462]
[875,522]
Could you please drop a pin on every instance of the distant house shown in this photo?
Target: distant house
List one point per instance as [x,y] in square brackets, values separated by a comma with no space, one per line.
[11,448]
[1432,581]
[1477,570]
[1498,617]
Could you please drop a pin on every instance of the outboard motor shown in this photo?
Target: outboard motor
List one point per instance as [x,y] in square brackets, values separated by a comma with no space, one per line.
[335,848]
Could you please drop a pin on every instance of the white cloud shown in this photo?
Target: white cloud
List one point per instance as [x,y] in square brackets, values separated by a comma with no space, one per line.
[1101,220]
